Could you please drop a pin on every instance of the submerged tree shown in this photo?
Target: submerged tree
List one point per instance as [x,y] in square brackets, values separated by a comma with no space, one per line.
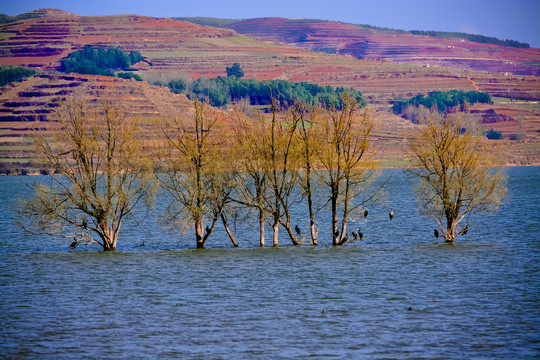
[198,173]
[253,182]
[100,174]
[456,172]
[344,140]
[269,158]
[308,118]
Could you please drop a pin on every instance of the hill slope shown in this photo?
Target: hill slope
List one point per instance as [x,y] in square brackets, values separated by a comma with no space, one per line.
[175,49]
[365,42]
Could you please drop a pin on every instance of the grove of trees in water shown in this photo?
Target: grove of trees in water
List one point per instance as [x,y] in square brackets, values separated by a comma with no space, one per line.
[214,165]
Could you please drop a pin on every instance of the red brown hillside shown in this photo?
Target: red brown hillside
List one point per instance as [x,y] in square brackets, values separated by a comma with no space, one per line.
[184,48]
[175,48]
[397,46]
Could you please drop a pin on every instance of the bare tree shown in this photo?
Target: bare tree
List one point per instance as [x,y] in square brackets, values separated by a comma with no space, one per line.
[197,172]
[344,140]
[100,174]
[307,118]
[270,161]
[282,172]
[456,172]
[253,182]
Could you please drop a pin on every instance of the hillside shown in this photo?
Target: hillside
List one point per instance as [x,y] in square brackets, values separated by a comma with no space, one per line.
[174,49]
[367,42]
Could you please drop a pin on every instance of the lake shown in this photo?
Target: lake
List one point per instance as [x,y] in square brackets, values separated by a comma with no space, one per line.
[400,293]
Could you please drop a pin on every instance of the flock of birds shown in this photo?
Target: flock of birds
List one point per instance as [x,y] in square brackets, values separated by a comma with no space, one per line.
[357,236]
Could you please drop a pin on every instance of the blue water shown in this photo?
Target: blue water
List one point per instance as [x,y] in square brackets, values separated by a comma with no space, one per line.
[478,298]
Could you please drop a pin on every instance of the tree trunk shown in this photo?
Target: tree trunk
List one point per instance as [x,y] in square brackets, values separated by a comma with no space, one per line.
[313,231]
[199,234]
[231,236]
[261,226]
[109,245]
[335,232]
[276,232]
[287,226]
[108,237]
[343,230]
[450,231]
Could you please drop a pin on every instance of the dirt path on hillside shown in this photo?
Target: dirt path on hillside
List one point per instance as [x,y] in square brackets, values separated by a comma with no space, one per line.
[473,83]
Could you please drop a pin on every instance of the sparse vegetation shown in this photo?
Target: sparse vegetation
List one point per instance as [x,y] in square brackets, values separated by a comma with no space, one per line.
[473,37]
[208,21]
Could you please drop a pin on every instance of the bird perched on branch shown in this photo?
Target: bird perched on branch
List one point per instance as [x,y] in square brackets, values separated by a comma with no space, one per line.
[297,229]
[465,230]
[436,233]
[365,213]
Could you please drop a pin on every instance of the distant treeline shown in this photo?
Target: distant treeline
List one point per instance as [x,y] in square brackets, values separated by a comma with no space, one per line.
[9,74]
[445,34]
[4,19]
[442,100]
[208,21]
[222,91]
[101,61]
[473,37]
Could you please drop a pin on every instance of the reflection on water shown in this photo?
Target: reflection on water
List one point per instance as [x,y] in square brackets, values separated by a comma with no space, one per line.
[478,298]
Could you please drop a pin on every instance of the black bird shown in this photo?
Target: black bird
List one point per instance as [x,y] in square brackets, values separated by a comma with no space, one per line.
[436,233]
[74,243]
[345,239]
[365,213]
[465,230]
[360,234]
[336,233]
[297,229]
[391,214]
[208,230]
[142,244]
[410,308]
[354,235]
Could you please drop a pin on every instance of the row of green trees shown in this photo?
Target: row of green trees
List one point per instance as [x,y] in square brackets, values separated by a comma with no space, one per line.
[223,91]
[100,61]
[442,101]
[211,166]
[9,74]
[473,37]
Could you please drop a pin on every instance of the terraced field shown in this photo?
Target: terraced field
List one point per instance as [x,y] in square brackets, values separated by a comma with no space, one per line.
[175,49]
[396,46]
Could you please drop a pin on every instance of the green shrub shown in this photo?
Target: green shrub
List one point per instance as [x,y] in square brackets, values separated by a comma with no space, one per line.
[177,86]
[494,135]
[129,75]
[235,70]
[9,74]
